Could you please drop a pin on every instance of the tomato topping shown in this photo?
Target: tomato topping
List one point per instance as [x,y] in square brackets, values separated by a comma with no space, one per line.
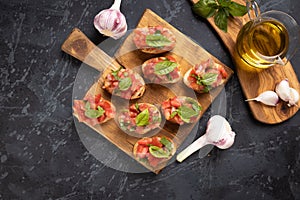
[112,83]
[93,103]
[181,109]
[169,69]
[145,141]
[206,75]
[156,142]
[143,152]
[135,120]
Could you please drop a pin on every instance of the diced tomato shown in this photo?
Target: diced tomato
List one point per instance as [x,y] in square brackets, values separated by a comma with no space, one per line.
[166,104]
[175,103]
[145,141]
[223,72]
[143,106]
[142,151]
[97,98]
[156,142]
[101,118]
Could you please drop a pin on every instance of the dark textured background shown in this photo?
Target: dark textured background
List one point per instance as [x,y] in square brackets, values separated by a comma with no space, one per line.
[42,156]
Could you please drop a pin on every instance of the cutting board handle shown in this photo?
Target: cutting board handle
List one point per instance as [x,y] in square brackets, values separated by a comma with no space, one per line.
[81,47]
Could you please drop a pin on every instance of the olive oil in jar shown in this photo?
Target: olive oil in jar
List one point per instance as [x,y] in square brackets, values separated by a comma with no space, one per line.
[263,43]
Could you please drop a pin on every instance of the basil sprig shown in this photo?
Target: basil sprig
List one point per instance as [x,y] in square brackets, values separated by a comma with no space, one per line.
[157,40]
[142,119]
[186,112]
[125,83]
[115,73]
[166,143]
[164,67]
[220,10]
[207,79]
[91,113]
[161,152]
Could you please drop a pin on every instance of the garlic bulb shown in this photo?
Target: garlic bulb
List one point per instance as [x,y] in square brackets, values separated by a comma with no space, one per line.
[111,22]
[283,90]
[218,133]
[269,98]
[294,97]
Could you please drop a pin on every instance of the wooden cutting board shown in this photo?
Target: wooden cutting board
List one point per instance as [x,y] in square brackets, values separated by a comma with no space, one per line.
[187,53]
[255,81]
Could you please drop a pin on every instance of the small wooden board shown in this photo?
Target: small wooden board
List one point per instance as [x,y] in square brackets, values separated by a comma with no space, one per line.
[187,53]
[255,81]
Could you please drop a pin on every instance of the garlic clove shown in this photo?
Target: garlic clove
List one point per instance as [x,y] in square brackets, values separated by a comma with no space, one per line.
[283,90]
[294,97]
[111,22]
[268,97]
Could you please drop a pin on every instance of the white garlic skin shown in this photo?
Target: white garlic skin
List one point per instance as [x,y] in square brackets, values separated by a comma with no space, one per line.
[268,97]
[219,132]
[111,22]
[294,97]
[283,90]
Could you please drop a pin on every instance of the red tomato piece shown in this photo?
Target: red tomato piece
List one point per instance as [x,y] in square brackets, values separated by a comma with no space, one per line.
[156,142]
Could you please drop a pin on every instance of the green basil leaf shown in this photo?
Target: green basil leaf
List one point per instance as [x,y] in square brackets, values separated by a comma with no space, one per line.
[224,3]
[205,8]
[142,119]
[196,107]
[101,111]
[209,78]
[236,9]
[164,67]
[125,83]
[173,114]
[115,73]
[220,19]
[157,40]
[91,113]
[166,143]
[194,103]
[87,105]
[185,113]
[136,105]
[159,152]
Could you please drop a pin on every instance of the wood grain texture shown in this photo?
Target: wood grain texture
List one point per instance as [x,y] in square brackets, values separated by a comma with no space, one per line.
[253,80]
[79,46]
[187,53]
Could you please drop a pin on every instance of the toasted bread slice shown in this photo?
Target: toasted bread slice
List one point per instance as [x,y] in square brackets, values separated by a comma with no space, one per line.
[154,39]
[162,70]
[93,110]
[139,119]
[124,83]
[181,110]
[205,76]
[141,151]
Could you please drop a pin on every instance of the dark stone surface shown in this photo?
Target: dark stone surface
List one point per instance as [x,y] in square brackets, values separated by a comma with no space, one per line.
[42,156]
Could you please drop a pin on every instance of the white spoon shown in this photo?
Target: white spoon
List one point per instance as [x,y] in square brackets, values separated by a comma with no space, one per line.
[218,133]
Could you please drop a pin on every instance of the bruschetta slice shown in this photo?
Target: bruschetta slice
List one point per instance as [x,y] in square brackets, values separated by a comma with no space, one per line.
[181,110]
[205,76]
[154,151]
[93,110]
[124,83]
[154,39]
[139,119]
[161,70]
